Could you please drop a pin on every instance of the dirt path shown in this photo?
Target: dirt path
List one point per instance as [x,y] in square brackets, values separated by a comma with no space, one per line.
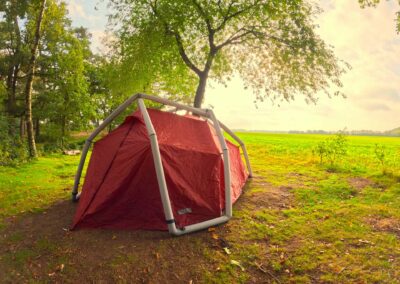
[40,247]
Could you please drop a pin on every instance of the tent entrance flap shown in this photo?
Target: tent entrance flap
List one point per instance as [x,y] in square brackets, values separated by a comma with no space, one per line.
[158,161]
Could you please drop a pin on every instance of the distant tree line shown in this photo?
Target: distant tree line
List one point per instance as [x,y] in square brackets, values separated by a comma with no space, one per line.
[393,132]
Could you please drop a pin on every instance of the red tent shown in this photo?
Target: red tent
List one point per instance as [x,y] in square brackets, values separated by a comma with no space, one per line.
[121,189]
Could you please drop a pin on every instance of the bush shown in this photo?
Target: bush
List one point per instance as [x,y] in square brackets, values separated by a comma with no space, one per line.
[332,149]
[380,154]
[12,150]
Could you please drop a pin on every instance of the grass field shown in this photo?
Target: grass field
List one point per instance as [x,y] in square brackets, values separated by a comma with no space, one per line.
[298,221]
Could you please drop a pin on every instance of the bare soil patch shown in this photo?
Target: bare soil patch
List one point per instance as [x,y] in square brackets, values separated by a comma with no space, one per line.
[40,247]
[268,197]
[56,254]
[390,225]
[359,183]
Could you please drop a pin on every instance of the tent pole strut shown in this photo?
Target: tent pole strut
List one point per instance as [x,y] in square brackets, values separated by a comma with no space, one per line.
[158,162]
[85,150]
[238,140]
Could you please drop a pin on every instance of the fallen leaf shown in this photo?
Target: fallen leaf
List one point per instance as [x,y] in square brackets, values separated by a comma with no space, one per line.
[365,242]
[227,250]
[211,229]
[61,267]
[237,263]
[114,237]
[341,270]
[214,236]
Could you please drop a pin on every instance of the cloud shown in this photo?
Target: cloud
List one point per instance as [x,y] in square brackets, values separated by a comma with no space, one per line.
[389,95]
[78,13]
[366,39]
[83,13]
[374,106]
[100,40]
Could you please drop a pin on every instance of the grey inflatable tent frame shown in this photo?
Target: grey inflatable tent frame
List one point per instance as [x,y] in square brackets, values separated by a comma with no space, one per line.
[205,113]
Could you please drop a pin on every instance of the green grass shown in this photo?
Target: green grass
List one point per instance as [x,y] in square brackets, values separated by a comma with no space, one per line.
[326,234]
[35,185]
[330,230]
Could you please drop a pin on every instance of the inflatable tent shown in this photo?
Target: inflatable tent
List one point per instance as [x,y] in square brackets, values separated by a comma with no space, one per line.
[159,170]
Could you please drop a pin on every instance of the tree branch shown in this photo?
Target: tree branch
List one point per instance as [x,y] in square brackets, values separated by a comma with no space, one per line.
[184,56]
[229,16]
[210,29]
[235,36]
[178,39]
[239,37]
[204,15]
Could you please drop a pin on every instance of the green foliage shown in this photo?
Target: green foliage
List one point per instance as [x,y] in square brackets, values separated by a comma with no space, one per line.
[332,148]
[12,150]
[380,153]
[171,46]
[62,100]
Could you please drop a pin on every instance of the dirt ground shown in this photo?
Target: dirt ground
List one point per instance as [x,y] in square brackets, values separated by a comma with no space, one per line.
[39,247]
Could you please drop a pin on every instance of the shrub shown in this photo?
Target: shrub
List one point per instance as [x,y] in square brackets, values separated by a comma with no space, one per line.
[12,150]
[332,149]
[380,154]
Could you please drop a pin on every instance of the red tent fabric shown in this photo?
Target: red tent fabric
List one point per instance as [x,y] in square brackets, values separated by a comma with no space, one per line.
[121,190]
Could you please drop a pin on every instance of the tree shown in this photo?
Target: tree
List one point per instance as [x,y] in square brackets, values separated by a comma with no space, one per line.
[13,55]
[29,82]
[374,3]
[58,88]
[63,99]
[272,45]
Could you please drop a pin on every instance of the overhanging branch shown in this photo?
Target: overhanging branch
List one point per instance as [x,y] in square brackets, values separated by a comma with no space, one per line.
[178,39]
[184,56]
[227,17]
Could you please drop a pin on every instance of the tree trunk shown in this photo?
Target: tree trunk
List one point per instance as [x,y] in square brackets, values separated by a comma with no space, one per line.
[63,123]
[29,84]
[17,64]
[22,127]
[11,82]
[12,76]
[201,88]
[37,127]
[13,67]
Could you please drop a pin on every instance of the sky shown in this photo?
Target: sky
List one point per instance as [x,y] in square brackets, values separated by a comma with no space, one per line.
[365,38]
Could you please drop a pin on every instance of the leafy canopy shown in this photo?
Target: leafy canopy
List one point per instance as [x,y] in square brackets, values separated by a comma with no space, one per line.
[272,44]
